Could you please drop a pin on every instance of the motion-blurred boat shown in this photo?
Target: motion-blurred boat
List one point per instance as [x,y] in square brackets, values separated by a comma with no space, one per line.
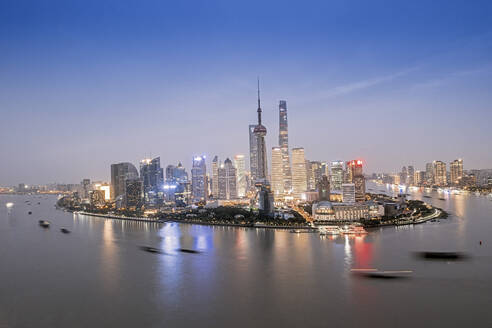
[44,223]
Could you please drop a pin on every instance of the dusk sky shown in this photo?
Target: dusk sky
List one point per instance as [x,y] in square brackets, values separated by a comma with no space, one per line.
[84,84]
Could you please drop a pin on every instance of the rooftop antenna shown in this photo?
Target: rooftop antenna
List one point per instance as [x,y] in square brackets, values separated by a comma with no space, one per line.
[259,107]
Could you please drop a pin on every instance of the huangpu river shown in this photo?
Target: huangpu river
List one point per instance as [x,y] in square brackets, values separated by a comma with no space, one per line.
[97,276]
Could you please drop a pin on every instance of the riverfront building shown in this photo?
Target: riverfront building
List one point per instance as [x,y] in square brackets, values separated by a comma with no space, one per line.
[152,176]
[227,181]
[119,174]
[348,193]
[215,177]
[199,187]
[456,170]
[278,182]
[327,212]
[299,175]
[241,182]
[336,175]
[440,174]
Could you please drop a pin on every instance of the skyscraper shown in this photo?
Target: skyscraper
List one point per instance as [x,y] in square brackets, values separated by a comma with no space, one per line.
[227,181]
[348,193]
[215,177]
[410,175]
[253,160]
[299,175]
[440,173]
[199,179]
[152,177]
[119,174]
[277,173]
[323,187]
[429,173]
[133,199]
[260,132]
[336,175]
[456,168]
[241,177]
[354,169]
[283,142]
[403,175]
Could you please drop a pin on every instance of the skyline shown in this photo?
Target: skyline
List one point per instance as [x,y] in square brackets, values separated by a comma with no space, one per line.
[409,88]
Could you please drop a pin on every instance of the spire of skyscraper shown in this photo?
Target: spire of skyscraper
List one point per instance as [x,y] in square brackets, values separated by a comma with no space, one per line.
[259,107]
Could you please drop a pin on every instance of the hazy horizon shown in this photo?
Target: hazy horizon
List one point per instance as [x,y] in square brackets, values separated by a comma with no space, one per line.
[86,84]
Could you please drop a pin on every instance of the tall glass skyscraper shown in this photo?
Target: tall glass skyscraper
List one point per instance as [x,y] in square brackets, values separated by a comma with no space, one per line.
[241,175]
[152,176]
[119,174]
[299,175]
[336,175]
[283,142]
[199,179]
[277,173]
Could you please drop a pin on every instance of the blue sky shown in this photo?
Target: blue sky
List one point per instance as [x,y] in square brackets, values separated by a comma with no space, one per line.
[84,84]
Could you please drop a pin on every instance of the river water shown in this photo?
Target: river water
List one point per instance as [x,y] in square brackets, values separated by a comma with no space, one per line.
[97,275]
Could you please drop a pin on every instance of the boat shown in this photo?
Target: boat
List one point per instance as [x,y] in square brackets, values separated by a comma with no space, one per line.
[29,212]
[329,230]
[353,230]
[425,196]
[449,256]
[440,198]
[9,205]
[185,250]
[44,223]
[150,249]
[377,274]
[64,230]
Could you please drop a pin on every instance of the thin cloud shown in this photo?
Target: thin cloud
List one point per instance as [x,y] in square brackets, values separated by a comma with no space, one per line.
[437,82]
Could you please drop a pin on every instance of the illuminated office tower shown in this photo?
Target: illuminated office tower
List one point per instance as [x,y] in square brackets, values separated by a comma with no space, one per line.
[277,173]
[227,181]
[410,175]
[429,173]
[241,182]
[440,173]
[323,187]
[419,178]
[348,193]
[283,142]
[119,174]
[309,176]
[336,175]
[215,177]
[354,169]
[199,185]
[152,177]
[299,175]
[316,174]
[456,168]
[403,175]
[134,195]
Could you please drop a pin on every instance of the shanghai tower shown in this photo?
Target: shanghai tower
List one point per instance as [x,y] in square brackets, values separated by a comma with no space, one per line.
[283,142]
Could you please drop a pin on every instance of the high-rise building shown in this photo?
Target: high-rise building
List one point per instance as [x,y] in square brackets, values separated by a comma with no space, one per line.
[336,175]
[227,180]
[86,187]
[456,168]
[429,173]
[199,179]
[419,178]
[403,175]
[309,176]
[323,187]
[152,176]
[316,169]
[176,174]
[440,173]
[278,182]
[119,174]
[410,173]
[215,177]
[299,175]
[354,169]
[241,182]
[260,132]
[283,142]
[133,194]
[253,160]
[348,193]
